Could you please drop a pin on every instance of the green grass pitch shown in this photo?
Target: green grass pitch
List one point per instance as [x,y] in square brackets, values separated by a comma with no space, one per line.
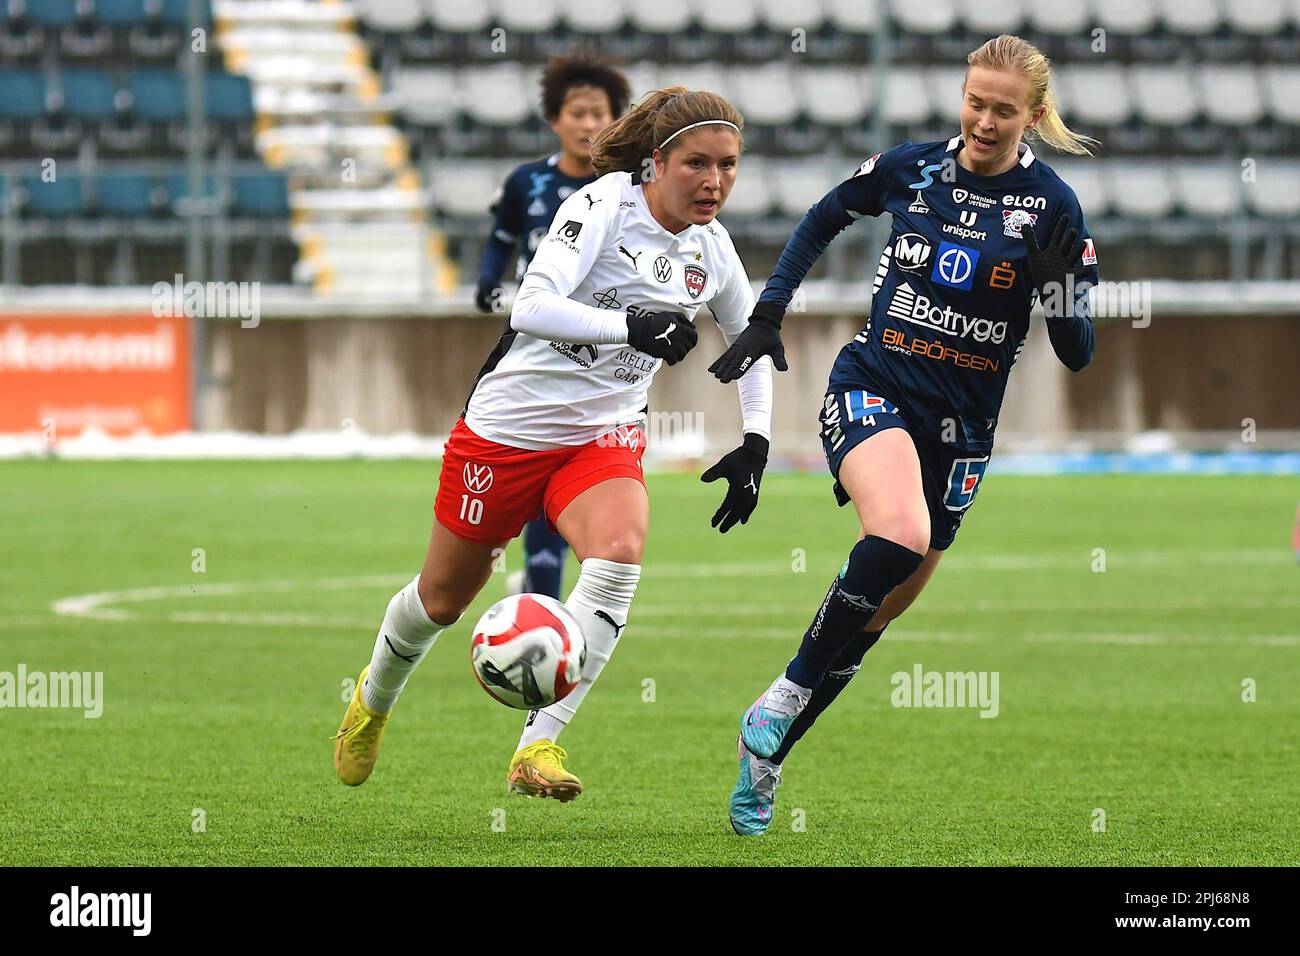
[1121,691]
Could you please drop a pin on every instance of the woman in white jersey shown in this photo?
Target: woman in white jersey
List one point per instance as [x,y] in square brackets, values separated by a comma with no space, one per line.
[554,423]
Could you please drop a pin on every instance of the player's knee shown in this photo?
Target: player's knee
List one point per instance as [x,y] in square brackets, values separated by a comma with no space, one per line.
[912,531]
[443,606]
[626,547]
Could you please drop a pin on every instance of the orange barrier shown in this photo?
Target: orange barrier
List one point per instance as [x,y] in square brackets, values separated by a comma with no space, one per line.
[62,374]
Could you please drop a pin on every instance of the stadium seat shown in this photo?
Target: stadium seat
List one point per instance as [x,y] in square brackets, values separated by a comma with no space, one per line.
[1060,17]
[740,16]
[929,18]
[906,100]
[427,96]
[121,13]
[1257,17]
[61,198]
[1089,185]
[834,95]
[1141,190]
[1164,95]
[1094,95]
[750,196]
[391,16]
[702,76]
[464,189]
[229,97]
[457,16]
[1281,87]
[783,16]
[800,185]
[157,95]
[260,196]
[854,16]
[1126,17]
[1208,191]
[177,186]
[661,18]
[177,13]
[52,14]
[765,95]
[124,195]
[943,84]
[1190,17]
[528,16]
[1231,95]
[89,95]
[642,78]
[1275,194]
[593,18]
[991,19]
[496,95]
[22,95]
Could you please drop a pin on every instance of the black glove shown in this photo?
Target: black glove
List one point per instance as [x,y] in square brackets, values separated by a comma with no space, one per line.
[489,297]
[762,337]
[1055,261]
[665,335]
[743,469]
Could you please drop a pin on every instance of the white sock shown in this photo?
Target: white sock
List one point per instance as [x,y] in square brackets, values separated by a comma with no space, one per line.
[600,602]
[404,638]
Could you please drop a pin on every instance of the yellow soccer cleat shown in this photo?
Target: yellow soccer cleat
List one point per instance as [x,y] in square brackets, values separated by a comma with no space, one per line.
[356,745]
[538,771]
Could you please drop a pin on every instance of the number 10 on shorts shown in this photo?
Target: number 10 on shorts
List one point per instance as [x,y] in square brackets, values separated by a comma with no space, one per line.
[471,509]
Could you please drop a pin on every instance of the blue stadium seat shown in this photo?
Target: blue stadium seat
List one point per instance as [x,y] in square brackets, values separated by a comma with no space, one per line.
[53,14]
[128,195]
[60,199]
[261,195]
[229,97]
[121,13]
[89,95]
[157,95]
[22,95]
[177,13]
[178,186]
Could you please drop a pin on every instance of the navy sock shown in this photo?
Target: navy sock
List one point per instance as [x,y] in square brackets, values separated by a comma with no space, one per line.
[842,669]
[874,568]
[544,553]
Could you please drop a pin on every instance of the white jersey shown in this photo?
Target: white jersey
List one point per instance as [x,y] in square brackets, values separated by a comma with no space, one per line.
[604,250]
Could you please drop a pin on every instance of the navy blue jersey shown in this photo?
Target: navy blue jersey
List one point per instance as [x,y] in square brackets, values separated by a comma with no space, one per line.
[522,211]
[952,295]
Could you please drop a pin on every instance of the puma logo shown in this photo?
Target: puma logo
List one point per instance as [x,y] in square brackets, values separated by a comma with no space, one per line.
[590,202]
[634,258]
[618,628]
[751,486]
[666,333]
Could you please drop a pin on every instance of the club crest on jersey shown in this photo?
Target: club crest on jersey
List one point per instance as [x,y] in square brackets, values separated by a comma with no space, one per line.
[478,478]
[868,166]
[695,278]
[1013,219]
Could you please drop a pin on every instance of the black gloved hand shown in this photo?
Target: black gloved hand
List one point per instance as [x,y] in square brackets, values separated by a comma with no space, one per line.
[762,337]
[665,335]
[489,297]
[1052,263]
[743,469]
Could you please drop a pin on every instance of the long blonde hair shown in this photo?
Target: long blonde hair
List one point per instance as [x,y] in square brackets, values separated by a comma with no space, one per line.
[1011,53]
[627,143]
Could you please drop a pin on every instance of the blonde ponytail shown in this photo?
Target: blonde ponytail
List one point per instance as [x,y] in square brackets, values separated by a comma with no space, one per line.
[1011,53]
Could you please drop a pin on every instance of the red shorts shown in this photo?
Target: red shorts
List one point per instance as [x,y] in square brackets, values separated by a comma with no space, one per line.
[487,492]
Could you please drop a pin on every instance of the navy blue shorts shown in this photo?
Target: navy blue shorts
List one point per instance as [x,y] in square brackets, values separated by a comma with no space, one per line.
[950,478]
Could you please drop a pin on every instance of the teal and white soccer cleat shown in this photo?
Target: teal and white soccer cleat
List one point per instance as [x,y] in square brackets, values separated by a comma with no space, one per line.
[750,809]
[765,724]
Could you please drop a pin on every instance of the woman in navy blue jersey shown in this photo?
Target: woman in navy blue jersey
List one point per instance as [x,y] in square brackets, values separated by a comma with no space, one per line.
[581,95]
[982,229]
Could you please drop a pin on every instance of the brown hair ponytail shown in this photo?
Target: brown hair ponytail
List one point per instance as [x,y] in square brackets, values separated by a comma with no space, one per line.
[627,144]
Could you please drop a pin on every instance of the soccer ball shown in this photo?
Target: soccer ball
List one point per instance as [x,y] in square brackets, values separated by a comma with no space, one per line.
[528,651]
